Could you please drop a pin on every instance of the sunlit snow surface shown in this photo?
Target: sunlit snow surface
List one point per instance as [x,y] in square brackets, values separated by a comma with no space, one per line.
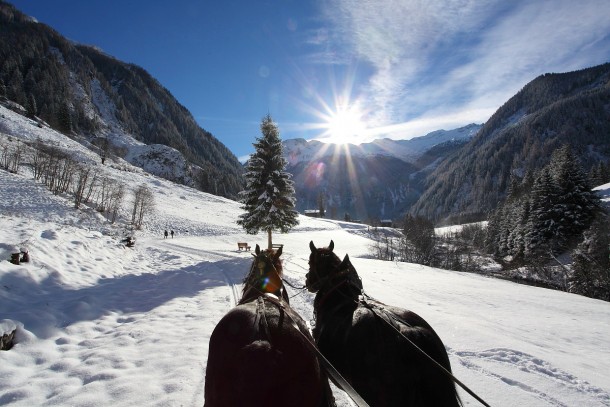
[101,324]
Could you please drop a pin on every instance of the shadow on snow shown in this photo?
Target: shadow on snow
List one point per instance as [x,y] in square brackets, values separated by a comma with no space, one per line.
[43,307]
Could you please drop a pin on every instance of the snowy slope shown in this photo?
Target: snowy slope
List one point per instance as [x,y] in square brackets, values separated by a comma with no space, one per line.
[102,324]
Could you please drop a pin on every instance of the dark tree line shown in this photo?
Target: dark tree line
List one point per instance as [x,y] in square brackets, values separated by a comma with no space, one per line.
[548,214]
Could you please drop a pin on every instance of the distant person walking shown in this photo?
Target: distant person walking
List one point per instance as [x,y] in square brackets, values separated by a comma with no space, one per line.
[165,234]
[172,234]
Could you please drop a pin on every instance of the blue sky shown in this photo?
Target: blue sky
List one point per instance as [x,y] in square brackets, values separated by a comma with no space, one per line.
[338,70]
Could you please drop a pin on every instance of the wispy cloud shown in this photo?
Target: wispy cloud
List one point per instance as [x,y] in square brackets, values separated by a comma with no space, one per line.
[432,59]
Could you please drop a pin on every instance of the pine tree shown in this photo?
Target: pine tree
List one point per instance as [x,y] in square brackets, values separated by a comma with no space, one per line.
[596,175]
[517,233]
[542,225]
[269,195]
[32,106]
[492,232]
[591,276]
[576,203]
[64,118]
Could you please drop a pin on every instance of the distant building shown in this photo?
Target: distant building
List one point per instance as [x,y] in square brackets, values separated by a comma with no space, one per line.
[312,213]
[385,223]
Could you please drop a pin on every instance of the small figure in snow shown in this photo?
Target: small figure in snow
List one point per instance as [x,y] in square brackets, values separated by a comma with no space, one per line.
[172,232]
[25,255]
[165,235]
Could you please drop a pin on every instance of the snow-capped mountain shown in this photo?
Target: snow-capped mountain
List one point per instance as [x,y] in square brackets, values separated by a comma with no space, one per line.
[300,150]
[371,181]
[520,137]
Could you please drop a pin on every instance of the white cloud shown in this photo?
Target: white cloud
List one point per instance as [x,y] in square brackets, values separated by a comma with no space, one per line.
[435,58]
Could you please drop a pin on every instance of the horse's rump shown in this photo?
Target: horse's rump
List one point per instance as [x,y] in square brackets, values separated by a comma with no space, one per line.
[385,368]
[258,357]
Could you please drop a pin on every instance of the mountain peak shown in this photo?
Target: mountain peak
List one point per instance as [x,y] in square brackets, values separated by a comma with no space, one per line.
[301,150]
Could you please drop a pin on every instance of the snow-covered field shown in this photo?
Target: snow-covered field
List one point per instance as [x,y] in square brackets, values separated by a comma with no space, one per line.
[100,324]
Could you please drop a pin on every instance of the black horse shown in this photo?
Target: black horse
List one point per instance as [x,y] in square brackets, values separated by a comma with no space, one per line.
[258,354]
[360,338]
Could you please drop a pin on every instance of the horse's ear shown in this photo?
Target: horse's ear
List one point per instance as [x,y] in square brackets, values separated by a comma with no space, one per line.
[257,250]
[345,263]
[312,247]
[331,246]
[278,253]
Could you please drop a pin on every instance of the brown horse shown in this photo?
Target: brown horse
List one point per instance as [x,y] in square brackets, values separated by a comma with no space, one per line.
[360,338]
[258,354]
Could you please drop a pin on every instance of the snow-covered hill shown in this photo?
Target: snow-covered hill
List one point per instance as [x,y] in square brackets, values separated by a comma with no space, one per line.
[102,324]
[156,159]
[301,150]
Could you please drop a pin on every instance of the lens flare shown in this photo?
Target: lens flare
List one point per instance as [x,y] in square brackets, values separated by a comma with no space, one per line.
[314,174]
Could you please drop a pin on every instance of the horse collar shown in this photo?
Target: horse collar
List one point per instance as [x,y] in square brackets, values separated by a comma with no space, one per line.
[271,296]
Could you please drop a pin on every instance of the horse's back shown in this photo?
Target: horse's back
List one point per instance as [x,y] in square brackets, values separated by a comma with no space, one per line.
[258,362]
[387,369]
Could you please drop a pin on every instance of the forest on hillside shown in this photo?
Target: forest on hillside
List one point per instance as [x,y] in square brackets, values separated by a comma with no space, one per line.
[62,84]
[551,111]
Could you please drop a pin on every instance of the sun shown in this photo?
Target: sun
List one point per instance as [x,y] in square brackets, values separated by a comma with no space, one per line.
[344,125]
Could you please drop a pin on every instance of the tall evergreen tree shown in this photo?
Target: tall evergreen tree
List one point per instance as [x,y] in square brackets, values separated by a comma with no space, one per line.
[576,203]
[516,239]
[269,195]
[591,276]
[596,175]
[542,225]
[32,106]
[64,118]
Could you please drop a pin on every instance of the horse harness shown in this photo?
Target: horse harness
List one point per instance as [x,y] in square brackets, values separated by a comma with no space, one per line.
[393,320]
[261,317]
[339,379]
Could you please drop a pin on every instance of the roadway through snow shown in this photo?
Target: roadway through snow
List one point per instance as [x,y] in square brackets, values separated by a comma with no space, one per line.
[202,257]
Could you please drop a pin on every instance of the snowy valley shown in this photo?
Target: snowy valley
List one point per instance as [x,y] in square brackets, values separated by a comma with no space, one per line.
[99,323]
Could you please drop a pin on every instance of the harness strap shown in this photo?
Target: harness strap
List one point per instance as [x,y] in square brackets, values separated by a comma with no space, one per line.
[334,373]
[377,313]
[303,287]
[260,308]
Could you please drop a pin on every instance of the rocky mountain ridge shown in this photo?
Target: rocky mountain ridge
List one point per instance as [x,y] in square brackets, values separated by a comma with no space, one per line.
[93,97]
